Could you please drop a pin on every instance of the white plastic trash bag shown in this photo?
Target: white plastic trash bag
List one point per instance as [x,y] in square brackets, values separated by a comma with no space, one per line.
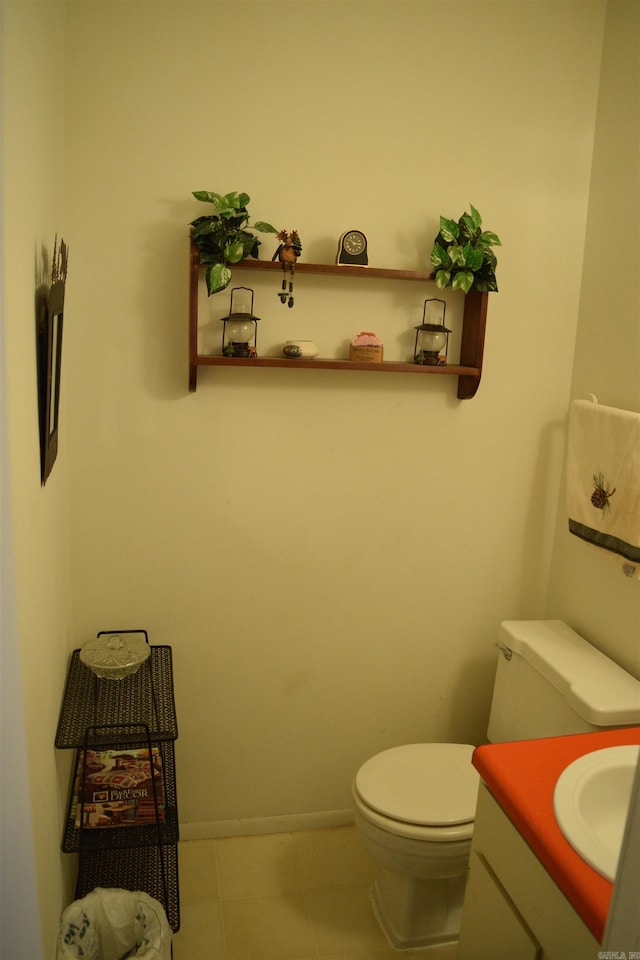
[111,924]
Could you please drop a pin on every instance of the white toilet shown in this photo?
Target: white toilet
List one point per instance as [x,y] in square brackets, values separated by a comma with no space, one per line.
[414,805]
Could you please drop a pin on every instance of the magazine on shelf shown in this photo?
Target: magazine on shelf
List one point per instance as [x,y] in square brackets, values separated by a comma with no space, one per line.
[116,788]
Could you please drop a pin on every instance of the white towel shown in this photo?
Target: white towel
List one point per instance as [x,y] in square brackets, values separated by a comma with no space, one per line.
[603,479]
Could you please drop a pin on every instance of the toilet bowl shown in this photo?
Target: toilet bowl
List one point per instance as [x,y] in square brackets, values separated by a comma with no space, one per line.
[414,807]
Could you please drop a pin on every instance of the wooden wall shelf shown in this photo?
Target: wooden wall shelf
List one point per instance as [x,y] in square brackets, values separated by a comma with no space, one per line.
[468,371]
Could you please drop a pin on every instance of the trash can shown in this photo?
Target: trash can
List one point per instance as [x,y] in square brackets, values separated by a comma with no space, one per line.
[113,924]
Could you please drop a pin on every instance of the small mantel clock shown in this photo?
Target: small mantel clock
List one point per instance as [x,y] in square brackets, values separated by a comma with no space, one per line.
[352,249]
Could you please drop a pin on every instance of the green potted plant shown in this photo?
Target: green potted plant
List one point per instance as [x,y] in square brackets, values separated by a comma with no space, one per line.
[223,238]
[462,254]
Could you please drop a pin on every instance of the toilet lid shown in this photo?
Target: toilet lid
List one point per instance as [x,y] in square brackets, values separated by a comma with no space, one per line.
[422,783]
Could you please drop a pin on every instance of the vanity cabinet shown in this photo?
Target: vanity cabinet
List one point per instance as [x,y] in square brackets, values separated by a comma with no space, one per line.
[468,370]
[137,712]
[489,912]
[513,908]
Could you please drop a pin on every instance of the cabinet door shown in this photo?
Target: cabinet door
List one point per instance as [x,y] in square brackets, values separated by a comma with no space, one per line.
[492,928]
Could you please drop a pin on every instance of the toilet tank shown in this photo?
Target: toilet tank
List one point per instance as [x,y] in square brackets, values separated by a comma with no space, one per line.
[550,681]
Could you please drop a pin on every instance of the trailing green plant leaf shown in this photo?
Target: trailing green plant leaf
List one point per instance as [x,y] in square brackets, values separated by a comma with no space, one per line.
[234,252]
[439,255]
[462,280]
[473,256]
[223,238]
[207,197]
[449,230]
[456,253]
[443,278]
[489,239]
[218,277]
[463,256]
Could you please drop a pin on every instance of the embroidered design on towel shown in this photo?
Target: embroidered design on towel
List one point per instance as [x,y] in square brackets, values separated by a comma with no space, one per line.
[601,493]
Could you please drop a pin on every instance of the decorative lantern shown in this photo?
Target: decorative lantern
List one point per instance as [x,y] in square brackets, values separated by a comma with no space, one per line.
[240,327]
[432,337]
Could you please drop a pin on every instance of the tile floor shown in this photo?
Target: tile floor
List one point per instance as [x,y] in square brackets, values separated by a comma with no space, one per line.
[286,896]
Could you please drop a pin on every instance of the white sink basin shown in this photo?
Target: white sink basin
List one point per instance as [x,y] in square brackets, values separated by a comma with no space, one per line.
[591,802]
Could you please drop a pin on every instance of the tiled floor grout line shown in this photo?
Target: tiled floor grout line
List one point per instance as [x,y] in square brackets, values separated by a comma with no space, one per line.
[316,944]
[303,893]
[220,908]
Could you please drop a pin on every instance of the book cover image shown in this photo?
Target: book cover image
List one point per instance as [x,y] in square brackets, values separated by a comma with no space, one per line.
[117,788]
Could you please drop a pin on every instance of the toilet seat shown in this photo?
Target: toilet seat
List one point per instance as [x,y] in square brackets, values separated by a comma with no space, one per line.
[420,789]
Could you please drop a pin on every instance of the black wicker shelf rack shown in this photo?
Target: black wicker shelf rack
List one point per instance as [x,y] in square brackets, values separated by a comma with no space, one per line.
[137,712]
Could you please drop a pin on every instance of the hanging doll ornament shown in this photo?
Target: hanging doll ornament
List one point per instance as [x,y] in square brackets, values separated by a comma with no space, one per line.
[287,253]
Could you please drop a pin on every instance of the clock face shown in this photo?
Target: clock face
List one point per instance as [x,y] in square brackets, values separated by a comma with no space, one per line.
[352,249]
[354,242]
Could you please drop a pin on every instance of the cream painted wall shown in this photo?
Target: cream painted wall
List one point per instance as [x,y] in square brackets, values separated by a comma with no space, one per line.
[39,572]
[328,554]
[587,588]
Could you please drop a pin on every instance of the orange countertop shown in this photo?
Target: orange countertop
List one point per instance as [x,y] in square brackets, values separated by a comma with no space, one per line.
[522,776]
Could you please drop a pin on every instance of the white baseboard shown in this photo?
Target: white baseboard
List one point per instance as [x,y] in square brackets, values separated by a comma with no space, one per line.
[255,826]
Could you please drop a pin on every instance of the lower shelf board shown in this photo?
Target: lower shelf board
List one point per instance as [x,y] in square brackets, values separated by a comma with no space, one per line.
[318,363]
[468,377]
